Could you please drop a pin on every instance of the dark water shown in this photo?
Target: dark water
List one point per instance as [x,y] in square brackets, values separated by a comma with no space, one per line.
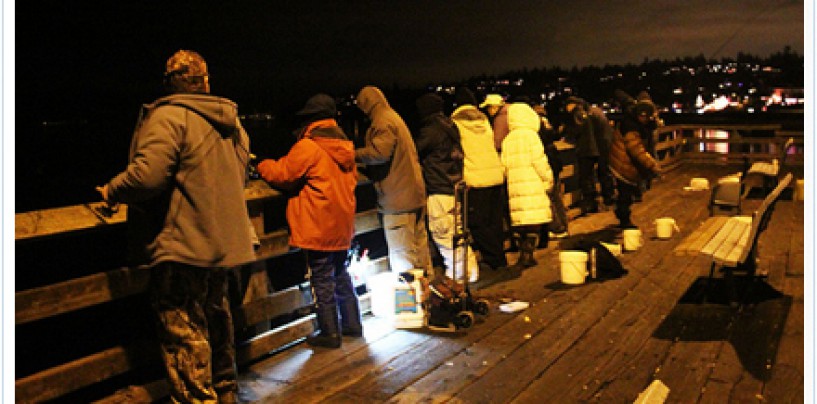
[60,163]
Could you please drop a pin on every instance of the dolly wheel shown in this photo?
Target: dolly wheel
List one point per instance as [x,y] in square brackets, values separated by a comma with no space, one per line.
[481,307]
[465,319]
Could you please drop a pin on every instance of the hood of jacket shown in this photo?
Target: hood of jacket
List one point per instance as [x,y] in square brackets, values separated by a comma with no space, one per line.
[472,119]
[369,98]
[334,142]
[522,116]
[219,112]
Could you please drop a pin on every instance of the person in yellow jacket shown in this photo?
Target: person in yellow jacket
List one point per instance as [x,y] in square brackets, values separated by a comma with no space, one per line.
[529,179]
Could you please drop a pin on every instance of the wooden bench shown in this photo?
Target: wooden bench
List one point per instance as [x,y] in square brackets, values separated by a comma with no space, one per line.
[766,174]
[734,246]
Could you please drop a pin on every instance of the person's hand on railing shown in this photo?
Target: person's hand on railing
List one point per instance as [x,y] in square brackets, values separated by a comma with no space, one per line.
[110,208]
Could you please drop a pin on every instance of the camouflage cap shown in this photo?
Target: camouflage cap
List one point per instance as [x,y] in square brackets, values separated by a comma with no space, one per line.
[186,64]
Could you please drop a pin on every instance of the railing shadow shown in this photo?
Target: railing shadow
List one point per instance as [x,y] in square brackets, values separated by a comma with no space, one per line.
[754,329]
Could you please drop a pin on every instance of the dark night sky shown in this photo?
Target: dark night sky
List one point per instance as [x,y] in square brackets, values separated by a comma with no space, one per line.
[75,54]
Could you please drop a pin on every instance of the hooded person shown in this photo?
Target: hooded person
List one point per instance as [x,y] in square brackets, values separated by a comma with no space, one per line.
[592,134]
[529,179]
[320,174]
[441,158]
[188,223]
[484,174]
[393,166]
[630,162]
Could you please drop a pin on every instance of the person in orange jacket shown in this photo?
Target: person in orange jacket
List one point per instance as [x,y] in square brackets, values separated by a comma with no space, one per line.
[320,173]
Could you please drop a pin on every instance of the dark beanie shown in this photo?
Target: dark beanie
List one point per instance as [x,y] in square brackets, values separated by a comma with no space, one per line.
[644,108]
[643,96]
[574,100]
[464,96]
[623,98]
[319,106]
[428,104]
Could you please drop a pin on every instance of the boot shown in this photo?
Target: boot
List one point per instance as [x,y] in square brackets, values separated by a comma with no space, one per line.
[328,335]
[530,243]
[350,318]
[527,246]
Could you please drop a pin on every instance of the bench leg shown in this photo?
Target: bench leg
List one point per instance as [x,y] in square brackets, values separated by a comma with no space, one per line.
[708,288]
[729,282]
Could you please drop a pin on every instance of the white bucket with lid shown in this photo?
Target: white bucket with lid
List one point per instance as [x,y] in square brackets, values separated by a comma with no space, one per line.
[664,227]
[632,239]
[699,184]
[573,266]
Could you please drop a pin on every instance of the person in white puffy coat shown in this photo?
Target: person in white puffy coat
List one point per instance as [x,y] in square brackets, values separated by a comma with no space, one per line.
[529,179]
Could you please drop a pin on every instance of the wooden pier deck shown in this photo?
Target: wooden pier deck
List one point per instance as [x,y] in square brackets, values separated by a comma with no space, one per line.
[597,342]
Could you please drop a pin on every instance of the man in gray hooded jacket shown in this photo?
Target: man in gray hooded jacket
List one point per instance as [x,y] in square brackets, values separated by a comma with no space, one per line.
[392,164]
[188,223]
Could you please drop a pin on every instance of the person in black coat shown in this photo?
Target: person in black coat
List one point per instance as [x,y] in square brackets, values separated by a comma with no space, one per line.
[441,158]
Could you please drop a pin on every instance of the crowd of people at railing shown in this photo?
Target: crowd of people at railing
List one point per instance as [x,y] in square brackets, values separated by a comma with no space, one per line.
[189,224]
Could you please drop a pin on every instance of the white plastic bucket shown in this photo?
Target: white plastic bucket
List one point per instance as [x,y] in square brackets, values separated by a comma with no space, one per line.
[631,239]
[699,184]
[664,227]
[573,267]
[382,291]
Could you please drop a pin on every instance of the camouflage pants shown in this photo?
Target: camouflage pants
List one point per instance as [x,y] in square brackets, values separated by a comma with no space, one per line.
[195,331]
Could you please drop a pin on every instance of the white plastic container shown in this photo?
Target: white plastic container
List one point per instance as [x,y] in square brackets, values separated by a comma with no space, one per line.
[381,287]
[573,266]
[664,227]
[408,308]
[699,184]
[632,239]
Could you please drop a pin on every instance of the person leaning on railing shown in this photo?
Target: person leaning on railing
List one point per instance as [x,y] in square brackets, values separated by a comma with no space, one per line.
[188,220]
[320,174]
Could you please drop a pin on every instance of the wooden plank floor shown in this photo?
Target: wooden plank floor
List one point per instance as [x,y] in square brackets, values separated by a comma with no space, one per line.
[598,342]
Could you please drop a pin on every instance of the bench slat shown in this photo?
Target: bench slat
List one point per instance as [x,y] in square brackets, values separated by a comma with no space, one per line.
[732,258]
[736,235]
[693,243]
[724,234]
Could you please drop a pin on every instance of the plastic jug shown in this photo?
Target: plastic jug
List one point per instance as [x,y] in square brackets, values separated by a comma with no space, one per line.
[408,308]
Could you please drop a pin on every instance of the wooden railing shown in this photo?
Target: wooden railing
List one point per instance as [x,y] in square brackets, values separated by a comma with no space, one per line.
[266,320]
[729,144]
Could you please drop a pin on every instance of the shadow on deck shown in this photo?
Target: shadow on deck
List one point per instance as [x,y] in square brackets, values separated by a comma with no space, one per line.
[600,342]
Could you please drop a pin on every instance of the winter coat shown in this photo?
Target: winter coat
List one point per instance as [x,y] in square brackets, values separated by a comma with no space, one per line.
[629,160]
[602,131]
[482,166]
[320,171]
[184,184]
[500,126]
[589,130]
[529,174]
[440,152]
[390,156]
